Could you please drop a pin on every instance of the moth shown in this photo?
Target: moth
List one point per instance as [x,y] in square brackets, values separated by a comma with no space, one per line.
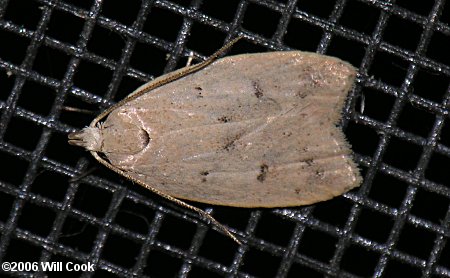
[251,130]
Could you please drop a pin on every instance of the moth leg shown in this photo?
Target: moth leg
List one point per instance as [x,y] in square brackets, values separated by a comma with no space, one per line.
[190,58]
[79,110]
[82,175]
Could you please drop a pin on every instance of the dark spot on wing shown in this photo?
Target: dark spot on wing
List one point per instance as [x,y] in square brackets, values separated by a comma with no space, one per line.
[231,142]
[320,173]
[308,161]
[302,94]
[204,173]
[224,119]
[262,172]
[199,89]
[258,90]
[230,145]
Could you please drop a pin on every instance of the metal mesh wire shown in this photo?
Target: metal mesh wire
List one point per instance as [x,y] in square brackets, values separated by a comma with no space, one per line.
[89,54]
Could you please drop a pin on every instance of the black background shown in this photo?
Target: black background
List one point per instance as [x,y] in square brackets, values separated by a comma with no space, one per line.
[90,54]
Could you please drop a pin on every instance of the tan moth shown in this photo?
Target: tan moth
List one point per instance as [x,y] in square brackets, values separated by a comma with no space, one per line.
[251,130]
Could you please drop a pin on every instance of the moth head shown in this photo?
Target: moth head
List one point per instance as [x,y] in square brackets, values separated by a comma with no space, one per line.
[119,138]
[89,138]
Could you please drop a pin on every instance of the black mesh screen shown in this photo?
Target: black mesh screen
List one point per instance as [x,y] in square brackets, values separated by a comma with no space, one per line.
[90,54]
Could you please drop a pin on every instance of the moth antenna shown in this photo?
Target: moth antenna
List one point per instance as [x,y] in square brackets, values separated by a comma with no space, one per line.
[170,77]
[168,197]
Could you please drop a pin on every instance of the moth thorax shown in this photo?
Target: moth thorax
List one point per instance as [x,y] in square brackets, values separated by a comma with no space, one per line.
[124,138]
